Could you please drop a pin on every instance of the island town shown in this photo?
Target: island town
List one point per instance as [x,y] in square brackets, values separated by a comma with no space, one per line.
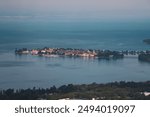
[89,53]
[110,91]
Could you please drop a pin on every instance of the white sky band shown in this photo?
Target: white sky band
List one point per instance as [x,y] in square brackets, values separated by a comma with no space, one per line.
[77,8]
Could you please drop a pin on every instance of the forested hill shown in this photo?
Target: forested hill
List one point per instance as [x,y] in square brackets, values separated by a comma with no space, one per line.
[116,90]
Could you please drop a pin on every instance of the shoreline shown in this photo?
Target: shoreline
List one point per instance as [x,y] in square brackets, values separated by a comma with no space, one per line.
[86,53]
[122,90]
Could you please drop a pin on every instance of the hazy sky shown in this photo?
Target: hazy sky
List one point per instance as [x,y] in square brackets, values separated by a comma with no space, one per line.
[77,8]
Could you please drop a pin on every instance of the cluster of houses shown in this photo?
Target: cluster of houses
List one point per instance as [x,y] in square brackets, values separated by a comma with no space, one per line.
[79,52]
[58,51]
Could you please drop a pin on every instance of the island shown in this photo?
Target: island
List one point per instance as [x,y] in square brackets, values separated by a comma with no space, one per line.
[88,53]
[70,52]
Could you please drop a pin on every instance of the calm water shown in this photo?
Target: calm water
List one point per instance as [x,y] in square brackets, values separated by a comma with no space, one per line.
[28,71]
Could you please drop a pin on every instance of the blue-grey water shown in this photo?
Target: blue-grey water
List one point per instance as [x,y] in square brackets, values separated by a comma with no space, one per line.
[28,71]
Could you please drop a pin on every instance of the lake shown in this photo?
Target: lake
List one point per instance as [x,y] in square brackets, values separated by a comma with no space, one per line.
[27,71]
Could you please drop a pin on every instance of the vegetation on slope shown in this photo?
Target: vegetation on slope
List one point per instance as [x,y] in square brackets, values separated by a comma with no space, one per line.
[110,91]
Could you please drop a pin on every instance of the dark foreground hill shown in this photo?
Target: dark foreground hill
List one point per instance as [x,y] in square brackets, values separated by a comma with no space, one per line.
[110,91]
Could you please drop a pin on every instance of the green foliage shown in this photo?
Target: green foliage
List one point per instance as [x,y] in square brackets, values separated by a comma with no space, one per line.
[110,91]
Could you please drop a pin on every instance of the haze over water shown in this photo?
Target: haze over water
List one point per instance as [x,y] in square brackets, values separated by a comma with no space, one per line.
[33,33]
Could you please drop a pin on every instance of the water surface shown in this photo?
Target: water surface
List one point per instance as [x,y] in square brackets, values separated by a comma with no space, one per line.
[29,71]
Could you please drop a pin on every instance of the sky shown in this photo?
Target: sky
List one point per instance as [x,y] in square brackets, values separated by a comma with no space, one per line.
[105,9]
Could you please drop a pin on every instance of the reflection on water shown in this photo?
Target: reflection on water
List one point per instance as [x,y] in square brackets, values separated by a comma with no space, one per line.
[54,65]
[14,63]
[28,71]
[73,67]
